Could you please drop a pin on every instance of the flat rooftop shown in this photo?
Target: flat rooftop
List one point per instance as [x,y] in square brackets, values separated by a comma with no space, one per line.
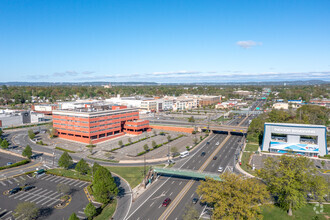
[295,125]
[77,112]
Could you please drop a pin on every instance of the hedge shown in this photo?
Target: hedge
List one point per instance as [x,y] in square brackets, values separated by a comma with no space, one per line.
[62,149]
[20,163]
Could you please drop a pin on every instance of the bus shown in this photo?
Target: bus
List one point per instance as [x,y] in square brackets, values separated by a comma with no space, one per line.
[38,173]
[184,154]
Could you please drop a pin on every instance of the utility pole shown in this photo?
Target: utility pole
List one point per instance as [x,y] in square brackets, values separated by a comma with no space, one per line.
[145,172]
[168,153]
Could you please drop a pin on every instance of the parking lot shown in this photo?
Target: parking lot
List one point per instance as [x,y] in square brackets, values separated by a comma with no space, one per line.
[8,158]
[44,194]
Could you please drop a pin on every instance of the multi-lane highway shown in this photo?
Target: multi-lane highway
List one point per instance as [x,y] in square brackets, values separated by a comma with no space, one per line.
[182,190]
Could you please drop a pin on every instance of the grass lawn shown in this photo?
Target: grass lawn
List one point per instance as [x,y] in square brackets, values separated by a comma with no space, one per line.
[251,147]
[245,161]
[70,174]
[133,175]
[307,212]
[108,211]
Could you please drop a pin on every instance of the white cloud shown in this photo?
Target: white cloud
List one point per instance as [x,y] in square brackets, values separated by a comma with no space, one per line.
[248,44]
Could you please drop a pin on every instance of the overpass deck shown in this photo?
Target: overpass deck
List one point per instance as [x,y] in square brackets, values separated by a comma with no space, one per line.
[187,173]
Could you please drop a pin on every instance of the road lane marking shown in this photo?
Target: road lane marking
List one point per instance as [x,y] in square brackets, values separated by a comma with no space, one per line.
[151,204]
[186,188]
[3,183]
[10,182]
[167,180]
[180,183]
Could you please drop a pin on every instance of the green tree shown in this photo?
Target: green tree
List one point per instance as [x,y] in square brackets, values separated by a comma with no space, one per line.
[104,185]
[153,144]
[63,188]
[120,143]
[65,160]
[1,132]
[191,119]
[90,210]
[146,147]
[73,216]
[27,152]
[195,140]
[174,150]
[82,167]
[95,167]
[129,140]
[31,134]
[168,138]
[27,210]
[234,197]
[290,179]
[154,132]
[4,144]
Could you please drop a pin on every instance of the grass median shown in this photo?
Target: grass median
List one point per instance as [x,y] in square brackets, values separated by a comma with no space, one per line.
[107,211]
[307,212]
[70,174]
[133,175]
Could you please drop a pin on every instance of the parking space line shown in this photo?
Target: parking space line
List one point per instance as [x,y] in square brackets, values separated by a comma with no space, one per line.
[37,195]
[22,193]
[19,217]
[21,178]
[16,180]
[67,181]
[43,195]
[52,203]
[28,194]
[54,198]
[45,177]
[46,197]
[59,179]
[52,178]
[6,214]
[83,184]
[3,183]
[2,212]
[10,181]
[81,217]
[75,181]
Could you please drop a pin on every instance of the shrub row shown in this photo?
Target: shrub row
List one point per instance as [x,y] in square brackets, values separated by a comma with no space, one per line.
[62,149]
[20,163]
[134,142]
[83,178]
[91,145]
[159,145]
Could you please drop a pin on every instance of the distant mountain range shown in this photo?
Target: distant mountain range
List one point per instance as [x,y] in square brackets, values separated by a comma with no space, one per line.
[307,82]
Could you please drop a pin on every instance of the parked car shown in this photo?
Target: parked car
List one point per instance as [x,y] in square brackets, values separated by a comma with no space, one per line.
[9,163]
[195,200]
[15,190]
[203,154]
[166,202]
[208,142]
[27,188]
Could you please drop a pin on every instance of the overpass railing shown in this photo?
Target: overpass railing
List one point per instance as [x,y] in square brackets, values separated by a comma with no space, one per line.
[187,173]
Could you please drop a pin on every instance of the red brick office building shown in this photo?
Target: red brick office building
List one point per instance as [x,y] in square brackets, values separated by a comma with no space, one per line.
[98,126]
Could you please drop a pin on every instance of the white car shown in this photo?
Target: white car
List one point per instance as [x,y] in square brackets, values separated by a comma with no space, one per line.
[220,169]
[217,143]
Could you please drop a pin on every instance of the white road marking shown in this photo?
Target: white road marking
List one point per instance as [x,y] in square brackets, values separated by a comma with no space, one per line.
[6,214]
[3,183]
[180,183]
[151,204]
[21,177]
[75,181]
[10,181]
[16,180]
[49,196]
[172,182]
[171,193]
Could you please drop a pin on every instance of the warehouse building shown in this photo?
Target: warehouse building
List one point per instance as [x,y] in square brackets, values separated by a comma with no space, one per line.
[302,139]
[93,125]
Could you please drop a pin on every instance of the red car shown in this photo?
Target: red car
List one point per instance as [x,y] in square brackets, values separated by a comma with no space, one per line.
[166,202]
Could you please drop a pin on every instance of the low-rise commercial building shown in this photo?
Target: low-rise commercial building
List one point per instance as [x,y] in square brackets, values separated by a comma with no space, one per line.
[93,126]
[13,118]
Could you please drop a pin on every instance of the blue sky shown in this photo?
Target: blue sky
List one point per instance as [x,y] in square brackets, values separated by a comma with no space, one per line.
[164,41]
